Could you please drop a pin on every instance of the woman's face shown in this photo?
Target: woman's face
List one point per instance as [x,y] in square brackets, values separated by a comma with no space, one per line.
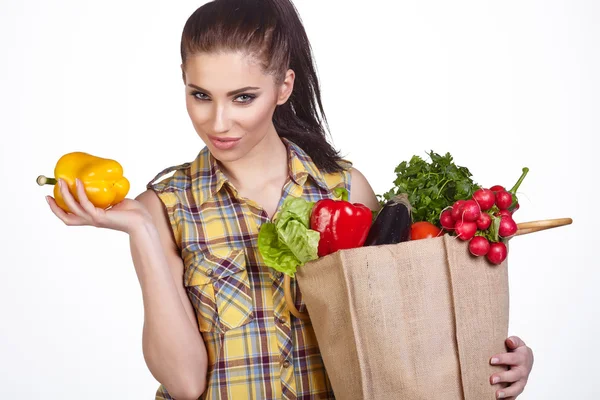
[231,102]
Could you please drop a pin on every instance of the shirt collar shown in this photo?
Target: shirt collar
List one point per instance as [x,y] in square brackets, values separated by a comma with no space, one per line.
[301,166]
[210,179]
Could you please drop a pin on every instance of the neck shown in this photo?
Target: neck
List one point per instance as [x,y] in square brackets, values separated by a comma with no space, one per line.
[267,161]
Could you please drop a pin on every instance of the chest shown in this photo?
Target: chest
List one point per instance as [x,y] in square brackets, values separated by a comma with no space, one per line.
[267,198]
[232,220]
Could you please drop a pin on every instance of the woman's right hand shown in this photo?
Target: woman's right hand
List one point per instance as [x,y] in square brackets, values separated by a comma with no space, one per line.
[125,216]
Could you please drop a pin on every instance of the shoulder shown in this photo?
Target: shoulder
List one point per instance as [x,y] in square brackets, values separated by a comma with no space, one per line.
[162,198]
[362,192]
[158,212]
[149,198]
[178,181]
[359,188]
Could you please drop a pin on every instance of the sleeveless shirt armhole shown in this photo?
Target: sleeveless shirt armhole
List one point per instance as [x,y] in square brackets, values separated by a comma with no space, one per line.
[162,185]
[170,201]
[340,179]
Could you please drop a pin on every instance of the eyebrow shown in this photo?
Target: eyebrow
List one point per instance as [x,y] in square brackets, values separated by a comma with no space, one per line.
[232,93]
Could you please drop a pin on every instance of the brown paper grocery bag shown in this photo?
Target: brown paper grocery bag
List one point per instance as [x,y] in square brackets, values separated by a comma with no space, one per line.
[417,320]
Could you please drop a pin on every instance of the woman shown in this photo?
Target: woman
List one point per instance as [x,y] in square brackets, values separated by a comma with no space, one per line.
[216,324]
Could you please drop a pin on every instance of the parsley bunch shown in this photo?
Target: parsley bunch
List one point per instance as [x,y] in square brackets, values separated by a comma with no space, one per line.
[431,186]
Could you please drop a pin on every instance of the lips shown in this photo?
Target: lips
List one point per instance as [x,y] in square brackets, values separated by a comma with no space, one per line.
[224,143]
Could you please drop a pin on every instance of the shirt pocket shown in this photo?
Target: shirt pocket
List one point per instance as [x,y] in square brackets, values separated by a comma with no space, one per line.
[219,289]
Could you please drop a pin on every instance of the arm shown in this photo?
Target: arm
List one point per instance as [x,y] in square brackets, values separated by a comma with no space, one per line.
[362,192]
[173,347]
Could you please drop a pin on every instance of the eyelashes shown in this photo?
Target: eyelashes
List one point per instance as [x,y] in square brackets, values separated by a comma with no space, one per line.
[245,98]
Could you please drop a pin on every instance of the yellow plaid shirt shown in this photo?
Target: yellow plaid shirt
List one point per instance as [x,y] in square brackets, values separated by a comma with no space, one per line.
[256,348]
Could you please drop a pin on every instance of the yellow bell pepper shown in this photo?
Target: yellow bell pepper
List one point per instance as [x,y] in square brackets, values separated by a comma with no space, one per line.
[102,179]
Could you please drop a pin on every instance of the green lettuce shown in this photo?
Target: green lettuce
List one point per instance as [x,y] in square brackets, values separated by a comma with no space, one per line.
[288,242]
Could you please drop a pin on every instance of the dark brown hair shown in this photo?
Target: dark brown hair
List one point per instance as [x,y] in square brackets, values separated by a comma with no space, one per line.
[271,31]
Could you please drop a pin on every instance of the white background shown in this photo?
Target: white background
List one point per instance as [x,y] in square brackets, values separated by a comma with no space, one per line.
[499,85]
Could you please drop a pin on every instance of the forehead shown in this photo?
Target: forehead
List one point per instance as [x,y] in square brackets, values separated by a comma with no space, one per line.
[225,71]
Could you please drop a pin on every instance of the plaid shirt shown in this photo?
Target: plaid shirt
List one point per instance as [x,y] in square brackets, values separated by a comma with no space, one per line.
[256,348]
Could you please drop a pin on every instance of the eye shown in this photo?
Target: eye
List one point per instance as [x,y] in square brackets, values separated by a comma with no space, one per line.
[200,95]
[245,98]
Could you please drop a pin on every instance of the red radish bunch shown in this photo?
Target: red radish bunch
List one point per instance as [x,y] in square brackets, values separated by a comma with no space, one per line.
[485,220]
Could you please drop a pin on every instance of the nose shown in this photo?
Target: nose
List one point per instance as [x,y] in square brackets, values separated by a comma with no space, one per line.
[221,119]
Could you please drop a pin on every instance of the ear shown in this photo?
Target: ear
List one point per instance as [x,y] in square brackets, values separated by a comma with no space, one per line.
[286,88]
[183,74]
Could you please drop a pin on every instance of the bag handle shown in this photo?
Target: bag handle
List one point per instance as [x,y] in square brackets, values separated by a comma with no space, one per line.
[523,229]
[535,226]
[289,300]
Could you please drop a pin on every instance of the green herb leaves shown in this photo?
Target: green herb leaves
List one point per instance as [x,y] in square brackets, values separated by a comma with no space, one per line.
[431,186]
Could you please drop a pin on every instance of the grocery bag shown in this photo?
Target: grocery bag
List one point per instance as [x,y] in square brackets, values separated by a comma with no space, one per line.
[414,320]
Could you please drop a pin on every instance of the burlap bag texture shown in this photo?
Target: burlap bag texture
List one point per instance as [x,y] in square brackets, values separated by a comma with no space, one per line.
[417,320]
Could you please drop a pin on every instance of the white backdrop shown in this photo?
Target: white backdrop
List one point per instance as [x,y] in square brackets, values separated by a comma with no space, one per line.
[499,85]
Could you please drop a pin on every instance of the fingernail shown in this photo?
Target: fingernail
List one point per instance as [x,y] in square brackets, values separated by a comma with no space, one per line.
[48,200]
[60,184]
[495,360]
[501,395]
[495,379]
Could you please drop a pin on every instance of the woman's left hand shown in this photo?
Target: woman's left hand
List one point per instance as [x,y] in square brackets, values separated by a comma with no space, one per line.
[520,361]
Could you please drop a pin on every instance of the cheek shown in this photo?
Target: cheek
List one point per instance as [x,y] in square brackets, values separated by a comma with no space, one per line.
[255,118]
[198,115]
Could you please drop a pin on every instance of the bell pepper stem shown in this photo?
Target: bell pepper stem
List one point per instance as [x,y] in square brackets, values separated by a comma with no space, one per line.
[44,180]
[341,193]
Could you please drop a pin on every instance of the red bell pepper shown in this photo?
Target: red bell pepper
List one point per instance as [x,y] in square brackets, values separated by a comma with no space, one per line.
[342,225]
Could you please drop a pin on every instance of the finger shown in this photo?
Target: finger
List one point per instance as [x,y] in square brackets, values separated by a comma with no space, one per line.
[515,358]
[511,391]
[68,219]
[514,342]
[70,200]
[510,376]
[85,203]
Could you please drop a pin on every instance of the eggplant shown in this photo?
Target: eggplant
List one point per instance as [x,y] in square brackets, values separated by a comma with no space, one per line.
[392,224]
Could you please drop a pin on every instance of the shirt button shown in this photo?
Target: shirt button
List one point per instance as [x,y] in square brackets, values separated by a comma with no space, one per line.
[210,272]
[286,364]
[279,274]
[281,320]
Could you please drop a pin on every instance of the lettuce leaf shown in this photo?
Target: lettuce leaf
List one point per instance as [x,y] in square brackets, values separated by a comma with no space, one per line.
[288,242]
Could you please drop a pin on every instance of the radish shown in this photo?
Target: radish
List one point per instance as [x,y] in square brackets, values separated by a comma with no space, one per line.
[446,220]
[465,230]
[484,221]
[508,227]
[497,188]
[471,211]
[503,199]
[485,198]
[503,213]
[497,253]
[457,210]
[479,246]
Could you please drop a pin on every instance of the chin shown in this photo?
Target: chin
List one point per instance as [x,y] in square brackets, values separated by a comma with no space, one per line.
[226,156]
